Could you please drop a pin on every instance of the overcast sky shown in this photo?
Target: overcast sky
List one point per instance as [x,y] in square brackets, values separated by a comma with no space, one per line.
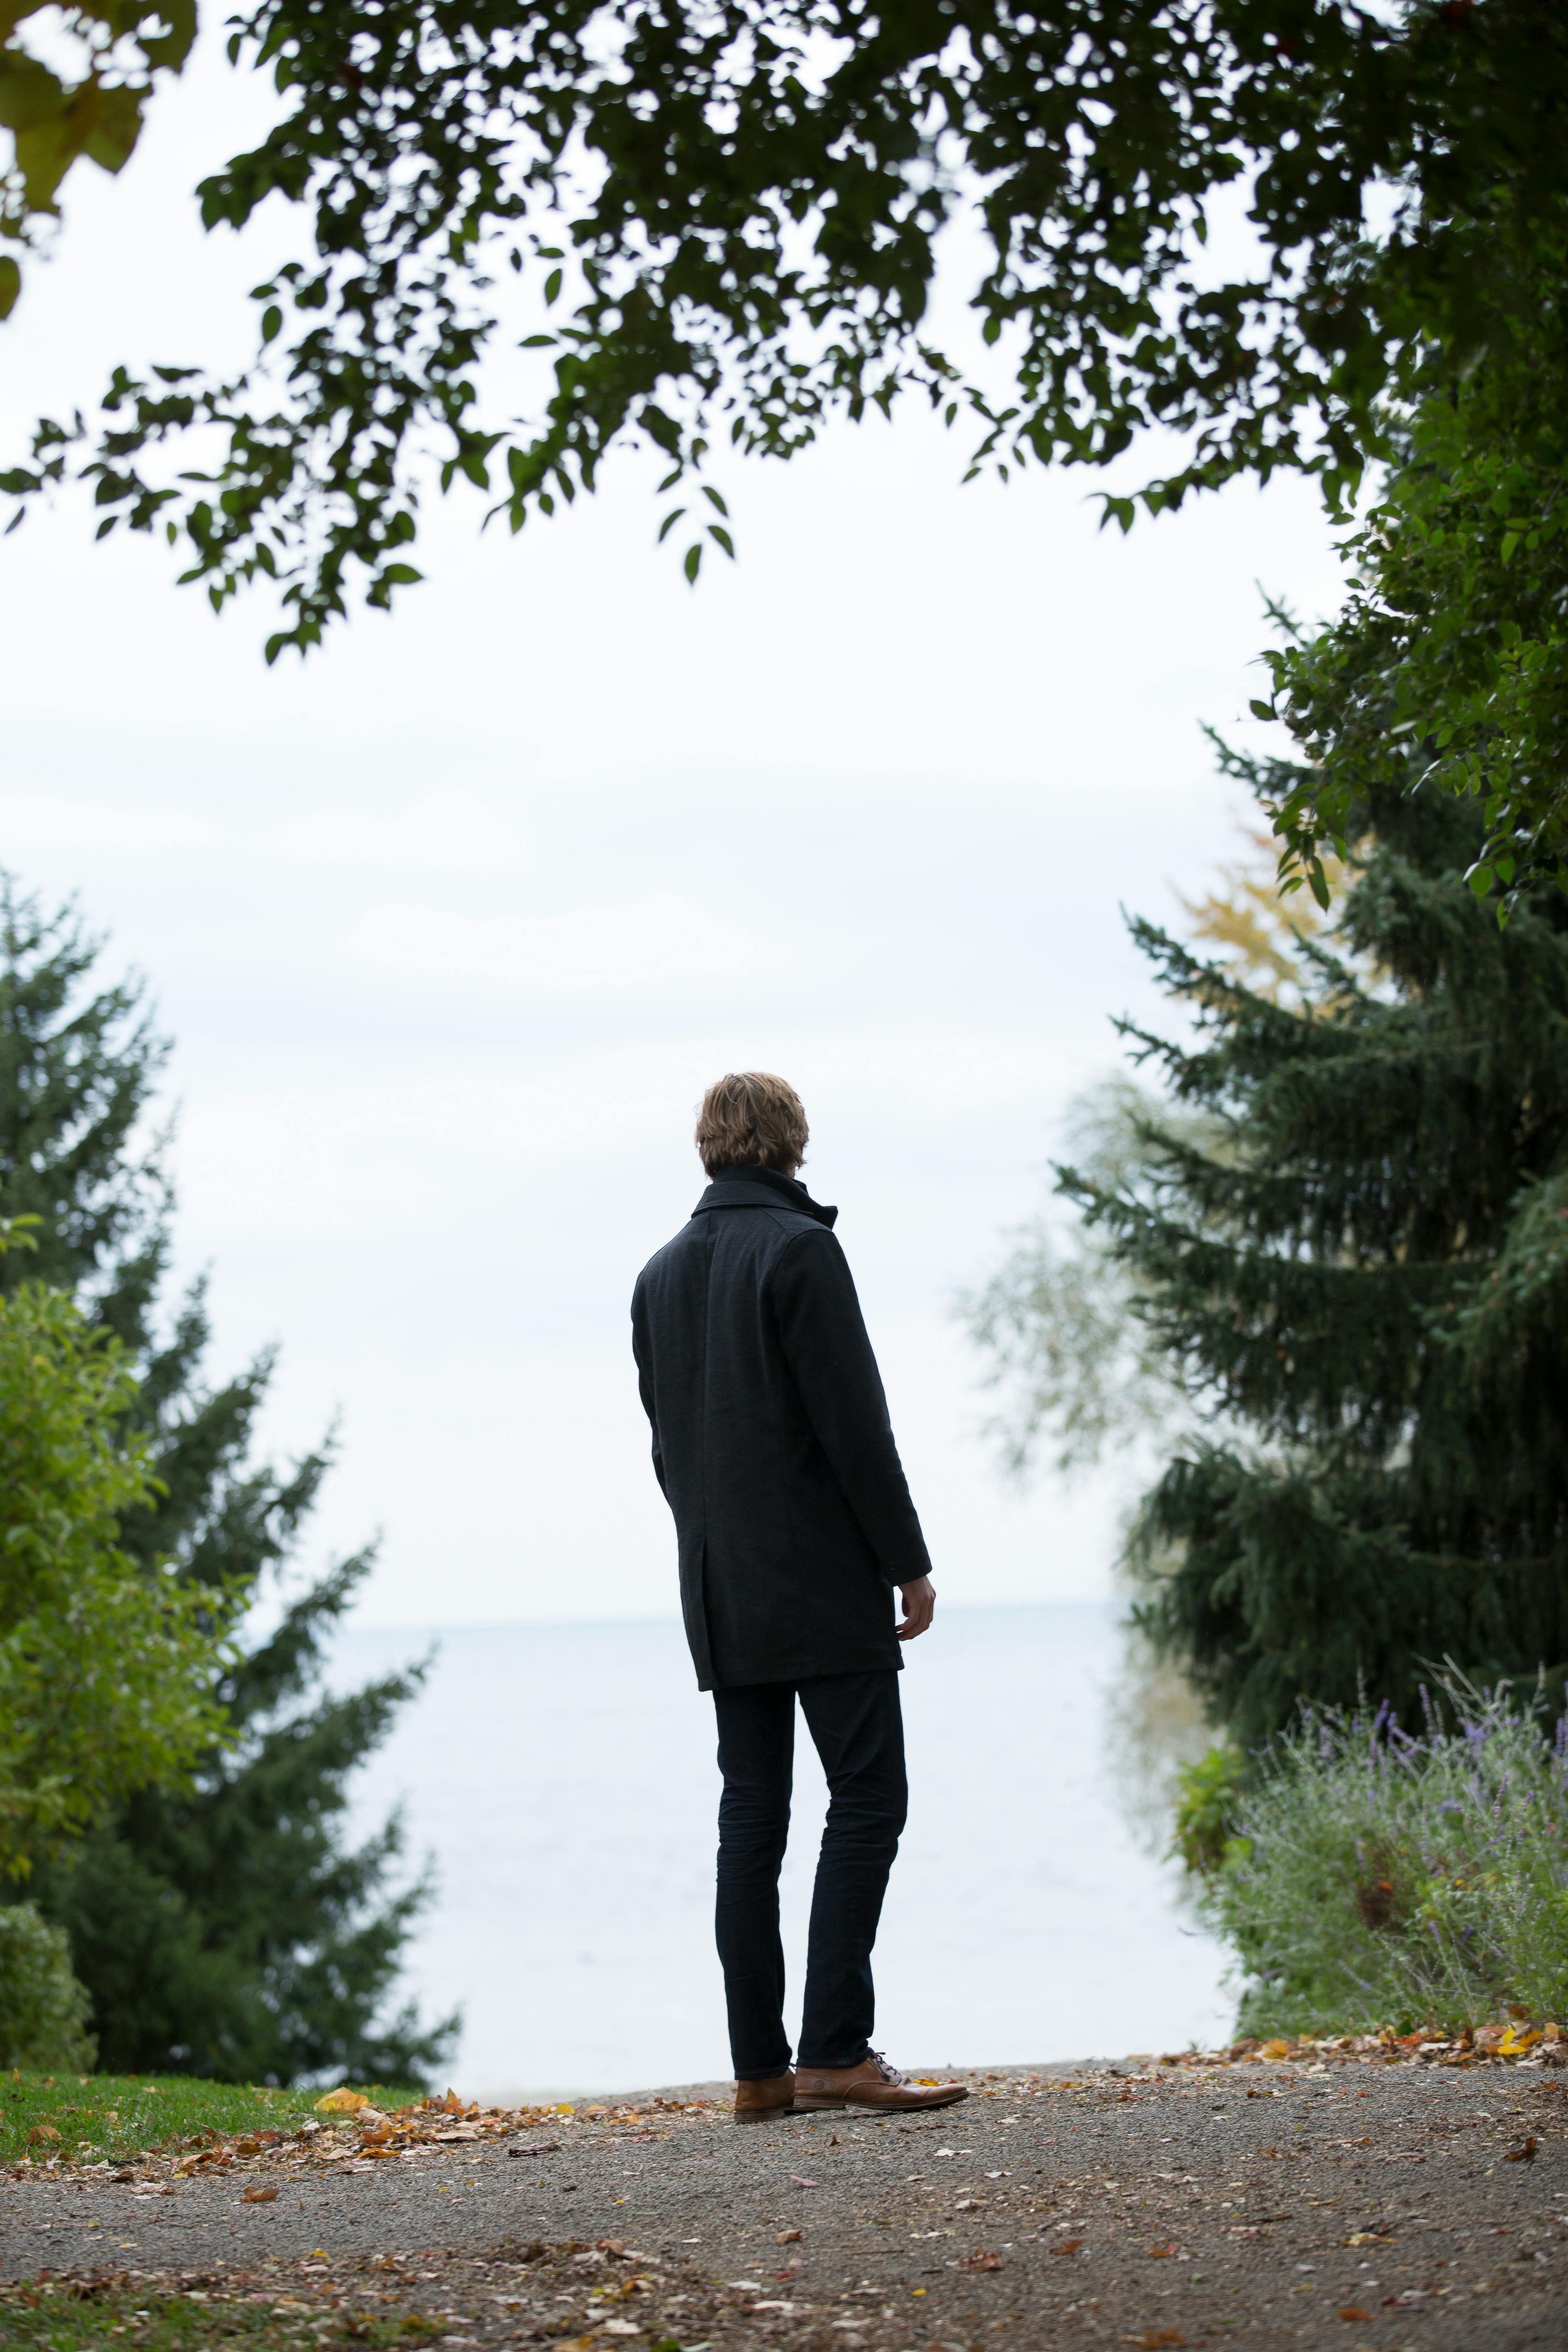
[453,924]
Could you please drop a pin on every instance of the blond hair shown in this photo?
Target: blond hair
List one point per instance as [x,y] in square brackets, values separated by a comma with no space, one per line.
[749,1119]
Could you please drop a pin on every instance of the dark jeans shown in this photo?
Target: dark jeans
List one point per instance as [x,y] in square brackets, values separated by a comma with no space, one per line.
[858,1727]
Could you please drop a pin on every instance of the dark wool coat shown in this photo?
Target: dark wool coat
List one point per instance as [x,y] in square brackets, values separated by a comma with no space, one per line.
[771,1440]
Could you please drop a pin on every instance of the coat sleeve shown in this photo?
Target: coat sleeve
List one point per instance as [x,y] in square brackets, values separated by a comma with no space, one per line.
[826,1346]
[640,1353]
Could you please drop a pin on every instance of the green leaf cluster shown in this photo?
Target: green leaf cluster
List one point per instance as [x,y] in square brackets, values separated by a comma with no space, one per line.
[43,2006]
[106,1663]
[1447,669]
[732,213]
[95,109]
[1208,1792]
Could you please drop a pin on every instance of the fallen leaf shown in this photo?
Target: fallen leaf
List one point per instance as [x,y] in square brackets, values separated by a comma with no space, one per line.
[787,2238]
[1153,2337]
[1517,2040]
[978,2263]
[799,2181]
[1523,2153]
[1354,2311]
[41,2132]
[1159,2252]
[1067,2246]
[341,2103]
[258,2197]
[536,2147]
[1275,2049]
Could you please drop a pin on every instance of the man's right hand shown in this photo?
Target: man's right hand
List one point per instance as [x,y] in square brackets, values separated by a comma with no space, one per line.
[920,1607]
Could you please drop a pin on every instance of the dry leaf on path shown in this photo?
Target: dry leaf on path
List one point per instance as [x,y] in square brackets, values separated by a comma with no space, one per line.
[1153,2337]
[978,2263]
[258,2197]
[1523,2153]
[341,2103]
[787,2238]
[1354,2311]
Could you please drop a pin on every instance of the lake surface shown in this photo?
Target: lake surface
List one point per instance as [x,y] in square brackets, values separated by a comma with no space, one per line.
[562,1777]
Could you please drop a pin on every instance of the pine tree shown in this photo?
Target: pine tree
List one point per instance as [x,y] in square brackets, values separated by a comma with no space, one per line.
[226,1931]
[1357,1263]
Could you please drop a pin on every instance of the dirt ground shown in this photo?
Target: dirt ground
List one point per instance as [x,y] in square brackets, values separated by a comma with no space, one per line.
[1372,2203]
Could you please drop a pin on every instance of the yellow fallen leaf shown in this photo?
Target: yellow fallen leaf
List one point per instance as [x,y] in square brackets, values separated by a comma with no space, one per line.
[1275,2049]
[341,2103]
[1517,2040]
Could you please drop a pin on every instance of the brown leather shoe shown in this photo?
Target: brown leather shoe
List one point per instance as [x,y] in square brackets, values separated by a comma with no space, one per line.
[755,2102]
[872,2084]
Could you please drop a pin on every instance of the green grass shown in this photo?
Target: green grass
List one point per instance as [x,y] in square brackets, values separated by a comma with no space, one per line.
[83,2117]
[63,2316]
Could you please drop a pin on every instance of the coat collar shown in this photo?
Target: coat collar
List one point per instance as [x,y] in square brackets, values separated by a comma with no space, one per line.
[761,1188]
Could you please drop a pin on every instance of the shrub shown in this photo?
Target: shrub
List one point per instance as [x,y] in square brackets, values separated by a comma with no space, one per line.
[43,2009]
[106,1663]
[1377,1877]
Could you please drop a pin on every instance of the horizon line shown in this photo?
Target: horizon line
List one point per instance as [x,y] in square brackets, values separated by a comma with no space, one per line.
[519,1624]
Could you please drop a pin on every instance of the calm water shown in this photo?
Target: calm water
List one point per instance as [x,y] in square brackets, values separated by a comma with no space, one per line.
[562,1777]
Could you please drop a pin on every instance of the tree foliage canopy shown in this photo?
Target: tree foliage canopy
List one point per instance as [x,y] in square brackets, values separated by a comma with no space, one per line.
[733,209]
[1447,669]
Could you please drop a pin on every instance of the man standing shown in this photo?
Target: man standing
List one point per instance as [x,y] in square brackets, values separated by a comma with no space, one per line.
[794,1527]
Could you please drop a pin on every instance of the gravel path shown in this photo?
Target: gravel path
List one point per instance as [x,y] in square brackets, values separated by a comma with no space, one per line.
[1379,2203]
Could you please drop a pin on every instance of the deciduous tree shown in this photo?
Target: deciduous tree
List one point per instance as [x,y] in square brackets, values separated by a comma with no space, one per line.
[107,1664]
